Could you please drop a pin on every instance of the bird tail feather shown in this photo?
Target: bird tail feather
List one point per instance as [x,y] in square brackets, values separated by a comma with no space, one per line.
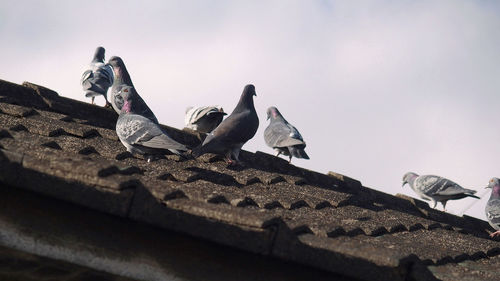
[474,196]
[298,153]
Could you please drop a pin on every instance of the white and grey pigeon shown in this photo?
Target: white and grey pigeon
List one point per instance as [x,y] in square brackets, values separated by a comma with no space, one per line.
[492,208]
[98,78]
[122,78]
[203,119]
[139,134]
[234,131]
[436,189]
[283,136]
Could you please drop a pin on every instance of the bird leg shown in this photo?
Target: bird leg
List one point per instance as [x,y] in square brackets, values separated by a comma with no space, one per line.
[495,234]
[444,205]
[233,162]
[230,161]
[236,154]
[434,203]
[93,100]
[290,161]
[150,158]
[108,105]
[278,154]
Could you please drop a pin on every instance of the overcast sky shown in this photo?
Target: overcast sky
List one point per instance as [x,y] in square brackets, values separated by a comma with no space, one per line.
[377,88]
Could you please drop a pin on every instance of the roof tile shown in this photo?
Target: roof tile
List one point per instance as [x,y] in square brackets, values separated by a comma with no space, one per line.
[481,270]
[69,150]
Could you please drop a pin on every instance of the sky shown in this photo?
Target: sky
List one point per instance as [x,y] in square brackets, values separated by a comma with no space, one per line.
[376,88]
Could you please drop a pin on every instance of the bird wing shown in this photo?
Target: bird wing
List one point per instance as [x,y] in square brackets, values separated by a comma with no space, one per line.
[454,190]
[86,75]
[430,184]
[197,113]
[294,133]
[104,73]
[237,128]
[493,211]
[139,130]
[448,188]
[279,134]
[234,131]
[162,141]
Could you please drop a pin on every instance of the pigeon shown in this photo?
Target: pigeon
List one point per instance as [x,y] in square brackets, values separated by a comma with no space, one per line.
[492,209]
[98,78]
[283,136]
[234,131]
[140,135]
[203,119]
[436,189]
[122,78]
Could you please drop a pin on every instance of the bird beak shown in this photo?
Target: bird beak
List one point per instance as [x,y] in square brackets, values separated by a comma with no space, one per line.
[405,182]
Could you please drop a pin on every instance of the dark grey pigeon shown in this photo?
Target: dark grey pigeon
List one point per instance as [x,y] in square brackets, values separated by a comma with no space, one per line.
[234,131]
[122,78]
[492,209]
[283,136]
[436,189]
[139,134]
[98,78]
[204,119]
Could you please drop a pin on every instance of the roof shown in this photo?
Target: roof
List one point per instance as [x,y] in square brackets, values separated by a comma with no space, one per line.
[67,149]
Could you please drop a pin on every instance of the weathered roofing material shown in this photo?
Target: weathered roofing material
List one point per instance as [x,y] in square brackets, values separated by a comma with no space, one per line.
[68,150]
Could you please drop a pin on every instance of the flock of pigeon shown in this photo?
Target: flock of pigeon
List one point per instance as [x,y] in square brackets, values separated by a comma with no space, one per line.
[138,130]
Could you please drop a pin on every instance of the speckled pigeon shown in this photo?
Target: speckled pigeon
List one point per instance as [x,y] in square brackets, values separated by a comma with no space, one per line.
[122,78]
[203,119]
[98,78]
[436,189]
[283,136]
[139,134]
[234,131]
[492,208]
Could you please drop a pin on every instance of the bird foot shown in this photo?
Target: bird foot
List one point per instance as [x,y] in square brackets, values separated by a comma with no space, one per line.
[108,105]
[495,234]
[233,163]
